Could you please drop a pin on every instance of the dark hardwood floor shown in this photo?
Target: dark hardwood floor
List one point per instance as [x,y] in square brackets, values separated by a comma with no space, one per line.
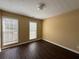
[37,50]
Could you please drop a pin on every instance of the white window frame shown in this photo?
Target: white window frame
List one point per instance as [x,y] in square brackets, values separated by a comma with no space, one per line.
[32,35]
[4,19]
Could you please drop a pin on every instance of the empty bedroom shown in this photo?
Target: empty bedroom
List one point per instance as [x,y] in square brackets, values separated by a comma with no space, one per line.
[39,29]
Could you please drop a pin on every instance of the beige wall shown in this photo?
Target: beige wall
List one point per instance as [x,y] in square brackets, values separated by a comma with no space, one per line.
[63,29]
[24,26]
[0,30]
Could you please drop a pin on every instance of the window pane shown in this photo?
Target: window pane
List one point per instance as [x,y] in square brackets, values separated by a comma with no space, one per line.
[33,30]
[10,30]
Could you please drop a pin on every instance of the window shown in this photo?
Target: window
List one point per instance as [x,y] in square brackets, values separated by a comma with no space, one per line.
[10,30]
[33,30]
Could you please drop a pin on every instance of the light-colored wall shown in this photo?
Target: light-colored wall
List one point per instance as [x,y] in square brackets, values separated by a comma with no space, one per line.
[63,29]
[0,30]
[24,25]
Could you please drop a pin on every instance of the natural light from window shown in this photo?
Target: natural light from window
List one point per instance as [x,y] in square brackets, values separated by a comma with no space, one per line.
[10,30]
[33,30]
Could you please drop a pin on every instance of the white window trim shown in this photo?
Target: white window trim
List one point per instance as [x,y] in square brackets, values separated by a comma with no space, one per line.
[15,41]
[29,30]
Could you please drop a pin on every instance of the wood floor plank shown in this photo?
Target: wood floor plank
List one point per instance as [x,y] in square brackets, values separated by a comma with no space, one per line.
[37,50]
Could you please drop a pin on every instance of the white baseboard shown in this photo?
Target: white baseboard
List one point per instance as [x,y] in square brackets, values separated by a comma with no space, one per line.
[20,43]
[77,52]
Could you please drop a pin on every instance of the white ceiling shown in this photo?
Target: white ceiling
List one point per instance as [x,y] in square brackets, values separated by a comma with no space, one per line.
[29,7]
